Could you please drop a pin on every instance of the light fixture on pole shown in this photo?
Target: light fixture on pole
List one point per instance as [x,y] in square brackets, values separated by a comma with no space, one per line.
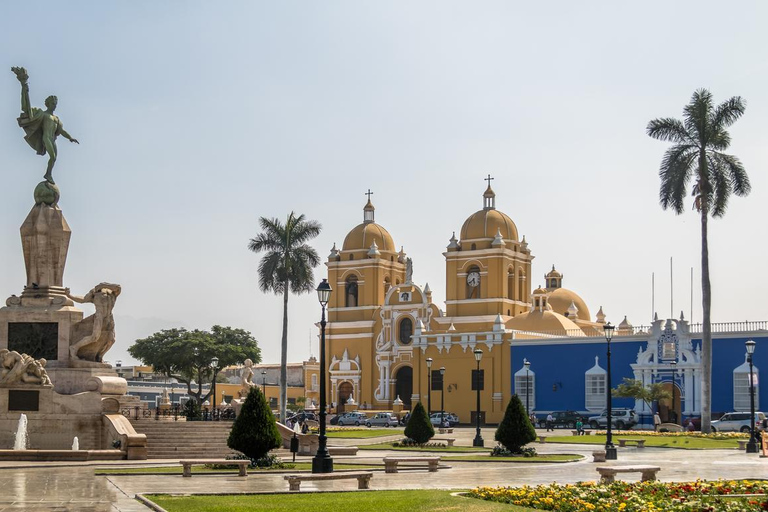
[527,365]
[673,364]
[478,381]
[214,365]
[429,386]
[610,449]
[752,445]
[442,396]
[322,462]
[264,383]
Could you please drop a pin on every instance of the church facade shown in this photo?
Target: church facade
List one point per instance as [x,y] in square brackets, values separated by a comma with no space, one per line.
[387,342]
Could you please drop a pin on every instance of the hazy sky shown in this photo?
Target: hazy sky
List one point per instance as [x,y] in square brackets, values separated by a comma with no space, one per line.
[195,119]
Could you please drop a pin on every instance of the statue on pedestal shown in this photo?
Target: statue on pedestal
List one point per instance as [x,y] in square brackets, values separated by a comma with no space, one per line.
[41,127]
[94,335]
[246,378]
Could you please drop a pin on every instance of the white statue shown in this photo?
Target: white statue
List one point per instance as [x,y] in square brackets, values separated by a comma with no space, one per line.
[94,335]
[246,378]
[408,270]
[18,368]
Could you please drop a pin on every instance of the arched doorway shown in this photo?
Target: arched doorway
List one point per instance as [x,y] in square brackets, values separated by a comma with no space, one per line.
[345,391]
[404,385]
[669,409]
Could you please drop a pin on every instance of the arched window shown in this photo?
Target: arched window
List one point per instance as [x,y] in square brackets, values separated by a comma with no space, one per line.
[314,382]
[521,285]
[525,387]
[387,285]
[473,248]
[406,331]
[594,388]
[511,284]
[351,292]
[741,388]
[351,257]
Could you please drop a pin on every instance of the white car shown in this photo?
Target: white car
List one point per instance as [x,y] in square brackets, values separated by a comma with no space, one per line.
[352,418]
[737,422]
[382,419]
[451,418]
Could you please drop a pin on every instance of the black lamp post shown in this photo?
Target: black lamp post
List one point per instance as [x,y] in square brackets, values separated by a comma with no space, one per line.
[610,449]
[214,365]
[322,462]
[478,438]
[752,445]
[673,364]
[442,396]
[429,385]
[527,365]
[264,383]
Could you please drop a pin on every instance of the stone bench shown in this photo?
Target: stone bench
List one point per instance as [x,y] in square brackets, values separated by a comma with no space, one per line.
[742,443]
[639,442]
[241,464]
[449,441]
[608,473]
[448,430]
[342,450]
[583,432]
[390,463]
[542,438]
[598,456]
[363,478]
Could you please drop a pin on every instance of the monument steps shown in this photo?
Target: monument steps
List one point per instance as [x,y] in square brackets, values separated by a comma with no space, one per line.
[182,439]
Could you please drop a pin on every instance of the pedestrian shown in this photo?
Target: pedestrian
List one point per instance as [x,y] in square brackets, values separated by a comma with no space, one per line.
[656,421]
[304,427]
[690,426]
[579,427]
[550,422]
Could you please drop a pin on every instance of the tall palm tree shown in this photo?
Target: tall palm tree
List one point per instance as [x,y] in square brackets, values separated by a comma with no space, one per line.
[696,155]
[286,267]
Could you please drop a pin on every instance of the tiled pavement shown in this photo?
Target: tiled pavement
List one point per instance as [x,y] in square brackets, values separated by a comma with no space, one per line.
[53,487]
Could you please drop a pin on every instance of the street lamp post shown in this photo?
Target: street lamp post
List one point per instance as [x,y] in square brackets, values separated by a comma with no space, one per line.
[322,462]
[752,445]
[610,449]
[264,383]
[429,386]
[442,396]
[527,365]
[673,364]
[214,365]
[478,438]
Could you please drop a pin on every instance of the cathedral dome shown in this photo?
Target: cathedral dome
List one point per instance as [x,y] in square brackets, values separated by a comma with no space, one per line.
[561,298]
[545,322]
[486,223]
[363,235]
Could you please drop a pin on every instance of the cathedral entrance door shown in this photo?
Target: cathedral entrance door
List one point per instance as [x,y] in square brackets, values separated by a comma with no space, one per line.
[669,409]
[404,385]
[345,391]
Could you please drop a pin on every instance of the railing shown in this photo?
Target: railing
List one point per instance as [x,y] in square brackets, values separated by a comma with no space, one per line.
[697,328]
[176,411]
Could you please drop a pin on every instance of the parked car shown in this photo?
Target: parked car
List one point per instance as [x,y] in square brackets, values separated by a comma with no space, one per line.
[451,418]
[382,419]
[620,418]
[737,422]
[352,418]
[303,416]
[564,419]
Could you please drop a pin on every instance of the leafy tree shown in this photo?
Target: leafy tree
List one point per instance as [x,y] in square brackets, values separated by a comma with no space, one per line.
[286,267]
[697,155]
[516,429]
[254,432]
[419,428]
[186,355]
[632,388]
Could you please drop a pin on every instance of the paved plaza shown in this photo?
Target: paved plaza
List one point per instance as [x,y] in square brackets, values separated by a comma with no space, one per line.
[62,486]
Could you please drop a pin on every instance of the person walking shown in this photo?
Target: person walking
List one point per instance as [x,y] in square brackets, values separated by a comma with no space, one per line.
[656,421]
[550,422]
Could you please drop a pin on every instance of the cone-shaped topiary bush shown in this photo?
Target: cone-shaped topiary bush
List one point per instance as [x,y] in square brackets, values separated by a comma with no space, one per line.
[515,430]
[419,427]
[254,432]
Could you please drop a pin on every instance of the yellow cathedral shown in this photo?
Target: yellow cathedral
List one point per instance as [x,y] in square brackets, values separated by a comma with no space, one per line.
[384,329]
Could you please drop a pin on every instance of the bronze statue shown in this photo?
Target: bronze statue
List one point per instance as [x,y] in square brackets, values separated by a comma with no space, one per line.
[40,126]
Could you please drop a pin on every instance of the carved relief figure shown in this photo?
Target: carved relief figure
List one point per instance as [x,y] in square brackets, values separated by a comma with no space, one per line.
[94,335]
[18,368]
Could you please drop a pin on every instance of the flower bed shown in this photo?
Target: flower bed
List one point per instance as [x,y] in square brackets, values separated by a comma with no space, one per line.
[652,433]
[701,495]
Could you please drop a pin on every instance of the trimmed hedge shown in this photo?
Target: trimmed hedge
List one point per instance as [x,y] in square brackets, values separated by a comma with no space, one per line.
[419,427]
[515,430]
[254,432]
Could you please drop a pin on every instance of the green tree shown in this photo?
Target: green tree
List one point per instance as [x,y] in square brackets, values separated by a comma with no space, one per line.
[286,267]
[632,388]
[516,429]
[254,432]
[697,156]
[186,355]
[419,428]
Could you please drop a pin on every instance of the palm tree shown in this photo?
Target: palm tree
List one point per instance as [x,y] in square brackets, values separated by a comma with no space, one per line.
[286,267]
[699,140]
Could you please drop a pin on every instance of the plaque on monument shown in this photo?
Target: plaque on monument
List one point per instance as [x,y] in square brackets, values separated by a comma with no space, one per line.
[23,400]
[38,339]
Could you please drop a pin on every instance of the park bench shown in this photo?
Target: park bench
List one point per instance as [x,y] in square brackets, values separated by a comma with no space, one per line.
[583,432]
[447,430]
[608,473]
[363,478]
[343,450]
[448,440]
[187,465]
[598,456]
[639,442]
[542,438]
[390,463]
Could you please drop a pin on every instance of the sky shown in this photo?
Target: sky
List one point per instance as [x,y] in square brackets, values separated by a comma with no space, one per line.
[195,119]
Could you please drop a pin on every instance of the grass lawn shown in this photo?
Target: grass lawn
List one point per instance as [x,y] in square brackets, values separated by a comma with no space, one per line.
[554,457]
[687,443]
[391,501]
[176,470]
[364,434]
[388,446]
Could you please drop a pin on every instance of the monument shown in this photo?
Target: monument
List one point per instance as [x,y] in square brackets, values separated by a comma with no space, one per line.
[51,366]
